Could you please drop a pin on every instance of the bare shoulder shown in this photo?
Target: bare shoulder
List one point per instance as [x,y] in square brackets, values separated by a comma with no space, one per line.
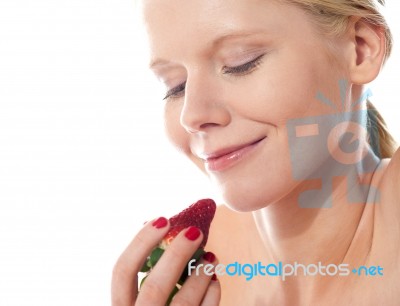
[394,167]
[387,179]
[387,209]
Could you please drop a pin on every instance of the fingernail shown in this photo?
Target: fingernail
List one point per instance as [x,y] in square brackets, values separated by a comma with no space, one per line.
[214,277]
[160,222]
[210,257]
[192,233]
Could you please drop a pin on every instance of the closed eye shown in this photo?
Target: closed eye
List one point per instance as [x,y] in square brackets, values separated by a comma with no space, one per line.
[245,68]
[175,92]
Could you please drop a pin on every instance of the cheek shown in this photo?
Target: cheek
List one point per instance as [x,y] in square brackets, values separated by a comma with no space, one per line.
[175,132]
[276,93]
[177,135]
[286,87]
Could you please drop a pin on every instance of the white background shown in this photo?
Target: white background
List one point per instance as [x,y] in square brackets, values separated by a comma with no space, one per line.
[83,158]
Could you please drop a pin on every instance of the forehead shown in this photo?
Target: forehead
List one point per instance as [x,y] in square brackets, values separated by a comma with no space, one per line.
[188,26]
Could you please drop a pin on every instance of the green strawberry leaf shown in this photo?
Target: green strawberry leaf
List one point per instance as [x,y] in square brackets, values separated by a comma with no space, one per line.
[171,296]
[142,281]
[145,267]
[198,254]
[152,259]
[155,256]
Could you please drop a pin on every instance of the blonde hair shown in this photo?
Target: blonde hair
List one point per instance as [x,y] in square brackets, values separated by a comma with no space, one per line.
[332,17]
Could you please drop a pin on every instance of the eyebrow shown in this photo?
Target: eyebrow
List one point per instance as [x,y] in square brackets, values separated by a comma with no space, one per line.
[217,41]
[235,35]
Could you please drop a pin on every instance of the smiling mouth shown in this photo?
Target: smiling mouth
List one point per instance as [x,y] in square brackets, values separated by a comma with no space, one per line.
[225,158]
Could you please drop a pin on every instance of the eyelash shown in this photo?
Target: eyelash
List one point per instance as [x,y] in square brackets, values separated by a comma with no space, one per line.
[240,70]
[245,68]
[175,92]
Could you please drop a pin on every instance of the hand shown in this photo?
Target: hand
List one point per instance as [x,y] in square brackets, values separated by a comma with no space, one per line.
[197,289]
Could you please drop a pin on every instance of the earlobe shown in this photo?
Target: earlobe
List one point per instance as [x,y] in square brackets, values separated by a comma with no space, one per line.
[368,53]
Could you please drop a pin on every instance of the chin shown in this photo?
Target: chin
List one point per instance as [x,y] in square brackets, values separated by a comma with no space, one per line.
[243,206]
[247,193]
[247,198]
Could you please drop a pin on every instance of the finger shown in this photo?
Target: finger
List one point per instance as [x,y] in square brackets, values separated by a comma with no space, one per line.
[195,287]
[124,279]
[160,282]
[213,293]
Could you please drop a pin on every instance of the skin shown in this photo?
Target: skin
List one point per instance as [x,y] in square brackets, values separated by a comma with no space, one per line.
[220,107]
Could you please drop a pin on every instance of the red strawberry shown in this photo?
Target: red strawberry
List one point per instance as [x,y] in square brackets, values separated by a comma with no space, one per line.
[199,214]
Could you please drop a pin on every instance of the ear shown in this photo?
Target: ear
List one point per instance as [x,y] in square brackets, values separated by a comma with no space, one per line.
[367,51]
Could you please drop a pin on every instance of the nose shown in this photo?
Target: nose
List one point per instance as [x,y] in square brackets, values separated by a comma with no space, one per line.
[204,105]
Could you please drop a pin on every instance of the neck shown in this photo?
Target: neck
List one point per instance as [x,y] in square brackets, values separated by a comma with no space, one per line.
[326,229]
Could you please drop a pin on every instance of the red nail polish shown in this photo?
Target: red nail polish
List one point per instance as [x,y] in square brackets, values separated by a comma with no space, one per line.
[210,257]
[214,277]
[192,233]
[160,222]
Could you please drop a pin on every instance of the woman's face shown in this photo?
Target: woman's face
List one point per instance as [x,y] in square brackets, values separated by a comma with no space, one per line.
[235,72]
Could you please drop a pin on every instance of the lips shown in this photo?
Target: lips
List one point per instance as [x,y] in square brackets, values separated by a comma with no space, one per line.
[225,158]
